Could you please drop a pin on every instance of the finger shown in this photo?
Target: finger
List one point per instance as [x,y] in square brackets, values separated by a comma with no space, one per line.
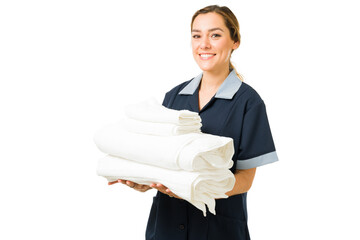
[111,183]
[155,185]
[142,188]
[122,181]
[130,184]
[161,187]
[158,188]
[169,192]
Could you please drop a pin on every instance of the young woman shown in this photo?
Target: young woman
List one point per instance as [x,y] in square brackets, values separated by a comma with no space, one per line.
[228,107]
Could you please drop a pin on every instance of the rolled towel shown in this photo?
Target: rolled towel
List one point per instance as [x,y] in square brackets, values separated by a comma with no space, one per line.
[198,188]
[152,111]
[193,151]
[159,129]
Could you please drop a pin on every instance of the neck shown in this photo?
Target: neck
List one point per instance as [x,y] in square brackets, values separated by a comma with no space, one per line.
[214,78]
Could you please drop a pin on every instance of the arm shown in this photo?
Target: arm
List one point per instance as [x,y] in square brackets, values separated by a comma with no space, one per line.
[243,181]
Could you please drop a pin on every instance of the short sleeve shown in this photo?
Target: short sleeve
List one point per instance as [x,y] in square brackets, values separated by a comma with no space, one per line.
[165,102]
[256,143]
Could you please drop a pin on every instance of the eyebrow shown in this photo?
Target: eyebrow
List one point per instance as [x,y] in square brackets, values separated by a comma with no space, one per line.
[210,30]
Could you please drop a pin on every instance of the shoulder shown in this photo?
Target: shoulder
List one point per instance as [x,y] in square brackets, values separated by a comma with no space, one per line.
[170,95]
[175,90]
[248,96]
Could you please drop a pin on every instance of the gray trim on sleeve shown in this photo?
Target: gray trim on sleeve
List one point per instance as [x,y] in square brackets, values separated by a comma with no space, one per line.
[257,161]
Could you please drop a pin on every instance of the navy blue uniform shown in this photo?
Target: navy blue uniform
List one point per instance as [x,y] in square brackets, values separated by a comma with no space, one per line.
[236,111]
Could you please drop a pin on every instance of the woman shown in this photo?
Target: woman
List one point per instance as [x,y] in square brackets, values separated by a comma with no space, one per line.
[228,107]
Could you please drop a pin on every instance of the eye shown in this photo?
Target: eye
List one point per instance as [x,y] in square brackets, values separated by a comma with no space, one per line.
[215,35]
[196,36]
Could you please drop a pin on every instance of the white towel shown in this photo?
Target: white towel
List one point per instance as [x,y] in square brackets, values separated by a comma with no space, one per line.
[198,188]
[193,151]
[159,129]
[152,111]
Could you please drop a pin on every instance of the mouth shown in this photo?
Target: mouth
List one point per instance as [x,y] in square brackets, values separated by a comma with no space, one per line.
[206,56]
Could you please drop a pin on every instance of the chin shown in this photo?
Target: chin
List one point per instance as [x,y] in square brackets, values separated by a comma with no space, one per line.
[206,68]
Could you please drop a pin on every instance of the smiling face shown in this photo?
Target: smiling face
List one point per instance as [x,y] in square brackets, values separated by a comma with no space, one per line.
[211,42]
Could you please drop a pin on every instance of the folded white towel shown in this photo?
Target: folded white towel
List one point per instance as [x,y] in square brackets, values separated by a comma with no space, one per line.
[198,188]
[193,151]
[159,129]
[152,111]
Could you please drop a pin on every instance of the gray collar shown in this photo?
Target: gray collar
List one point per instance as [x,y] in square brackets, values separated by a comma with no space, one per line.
[226,91]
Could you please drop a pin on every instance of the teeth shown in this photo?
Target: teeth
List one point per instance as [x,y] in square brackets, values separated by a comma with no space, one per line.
[206,55]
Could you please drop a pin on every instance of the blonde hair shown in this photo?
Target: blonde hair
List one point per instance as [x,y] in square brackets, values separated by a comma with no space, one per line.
[231,23]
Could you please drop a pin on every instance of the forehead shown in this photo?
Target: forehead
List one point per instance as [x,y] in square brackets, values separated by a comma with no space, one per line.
[206,21]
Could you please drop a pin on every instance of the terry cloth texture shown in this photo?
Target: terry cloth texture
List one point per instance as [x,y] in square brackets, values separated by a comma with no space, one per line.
[159,129]
[193,151]
[151,111]
[198,188]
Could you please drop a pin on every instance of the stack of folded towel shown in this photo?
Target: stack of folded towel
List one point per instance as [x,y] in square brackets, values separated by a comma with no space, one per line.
[155,144]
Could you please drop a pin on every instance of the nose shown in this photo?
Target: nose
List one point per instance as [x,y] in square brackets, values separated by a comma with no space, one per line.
[205,43]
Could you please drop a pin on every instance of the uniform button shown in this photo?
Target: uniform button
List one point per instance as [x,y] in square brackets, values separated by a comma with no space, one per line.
[181,227]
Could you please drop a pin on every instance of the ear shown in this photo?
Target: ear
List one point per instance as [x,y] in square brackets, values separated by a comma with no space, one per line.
[236,45]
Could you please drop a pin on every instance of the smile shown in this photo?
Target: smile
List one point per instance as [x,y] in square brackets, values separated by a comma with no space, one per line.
[206,56]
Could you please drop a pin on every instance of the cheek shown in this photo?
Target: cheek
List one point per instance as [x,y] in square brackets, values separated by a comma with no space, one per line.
[225,47]
[217,45]
[193,45]
[194,48]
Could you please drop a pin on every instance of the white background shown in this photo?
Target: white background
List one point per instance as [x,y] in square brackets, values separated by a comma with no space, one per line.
[68,67]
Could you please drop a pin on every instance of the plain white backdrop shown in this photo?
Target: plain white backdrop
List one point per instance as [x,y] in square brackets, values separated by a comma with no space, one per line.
[68,67]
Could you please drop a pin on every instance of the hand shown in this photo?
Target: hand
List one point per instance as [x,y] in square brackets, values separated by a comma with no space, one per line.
[136,186]
[164,190]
